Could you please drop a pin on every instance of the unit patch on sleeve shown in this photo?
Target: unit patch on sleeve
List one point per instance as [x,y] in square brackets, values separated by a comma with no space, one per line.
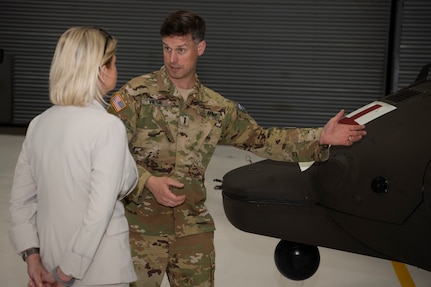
[118,102]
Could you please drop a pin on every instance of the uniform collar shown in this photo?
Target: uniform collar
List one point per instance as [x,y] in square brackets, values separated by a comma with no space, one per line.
[167,87]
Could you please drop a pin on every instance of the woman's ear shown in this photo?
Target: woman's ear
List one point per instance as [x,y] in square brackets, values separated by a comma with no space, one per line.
[102,72]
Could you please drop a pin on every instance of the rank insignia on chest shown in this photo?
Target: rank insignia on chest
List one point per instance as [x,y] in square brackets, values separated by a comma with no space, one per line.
[118,102]
[184,121]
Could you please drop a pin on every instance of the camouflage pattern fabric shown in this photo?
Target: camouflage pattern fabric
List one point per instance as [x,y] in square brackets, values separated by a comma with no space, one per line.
[190,260]
[173,137]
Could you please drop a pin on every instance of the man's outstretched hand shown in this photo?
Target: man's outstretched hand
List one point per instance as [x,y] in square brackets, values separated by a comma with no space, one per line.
[334,133]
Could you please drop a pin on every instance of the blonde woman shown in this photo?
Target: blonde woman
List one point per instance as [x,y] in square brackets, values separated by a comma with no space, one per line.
[67,220]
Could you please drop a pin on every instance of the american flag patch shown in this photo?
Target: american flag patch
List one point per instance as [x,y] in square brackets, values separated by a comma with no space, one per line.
[117,102]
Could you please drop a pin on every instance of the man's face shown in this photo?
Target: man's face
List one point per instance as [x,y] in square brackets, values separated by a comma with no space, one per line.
[180,55]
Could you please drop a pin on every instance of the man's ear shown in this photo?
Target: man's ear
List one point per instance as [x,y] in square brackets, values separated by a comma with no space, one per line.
[201,47]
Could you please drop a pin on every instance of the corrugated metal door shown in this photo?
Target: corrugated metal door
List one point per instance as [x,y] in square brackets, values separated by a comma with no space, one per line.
[289,62]
[415,40]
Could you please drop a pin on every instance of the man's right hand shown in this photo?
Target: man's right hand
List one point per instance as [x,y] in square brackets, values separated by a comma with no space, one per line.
[160,188]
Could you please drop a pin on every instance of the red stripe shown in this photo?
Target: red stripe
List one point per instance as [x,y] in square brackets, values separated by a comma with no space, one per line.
[366,111]
[351,121]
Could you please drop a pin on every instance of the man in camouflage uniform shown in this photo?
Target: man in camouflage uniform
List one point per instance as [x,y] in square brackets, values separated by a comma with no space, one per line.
[174,123]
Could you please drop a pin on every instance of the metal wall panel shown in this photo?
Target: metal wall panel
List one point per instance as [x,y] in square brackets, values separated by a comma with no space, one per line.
[289,62]
[5,87]
[415,40]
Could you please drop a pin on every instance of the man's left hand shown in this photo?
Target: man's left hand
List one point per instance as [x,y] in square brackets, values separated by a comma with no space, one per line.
[334,133]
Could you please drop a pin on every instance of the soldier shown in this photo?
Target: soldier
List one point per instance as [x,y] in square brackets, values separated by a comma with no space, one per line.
[174,123]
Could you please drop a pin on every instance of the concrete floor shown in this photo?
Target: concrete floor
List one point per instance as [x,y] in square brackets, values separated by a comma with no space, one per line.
[243,259]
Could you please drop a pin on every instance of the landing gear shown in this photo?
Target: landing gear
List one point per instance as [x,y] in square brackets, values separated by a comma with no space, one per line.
[296,261]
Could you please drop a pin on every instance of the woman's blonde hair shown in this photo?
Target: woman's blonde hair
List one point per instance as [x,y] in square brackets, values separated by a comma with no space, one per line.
[74,76]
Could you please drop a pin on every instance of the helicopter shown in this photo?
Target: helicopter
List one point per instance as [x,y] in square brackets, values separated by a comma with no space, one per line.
[372,198]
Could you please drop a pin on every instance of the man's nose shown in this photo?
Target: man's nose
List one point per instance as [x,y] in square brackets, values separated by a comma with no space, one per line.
[173,57]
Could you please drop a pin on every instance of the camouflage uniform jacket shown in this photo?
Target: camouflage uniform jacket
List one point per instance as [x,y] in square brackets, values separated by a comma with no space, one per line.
[172,137]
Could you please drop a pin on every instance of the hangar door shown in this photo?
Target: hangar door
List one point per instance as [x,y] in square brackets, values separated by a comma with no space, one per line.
[289,63]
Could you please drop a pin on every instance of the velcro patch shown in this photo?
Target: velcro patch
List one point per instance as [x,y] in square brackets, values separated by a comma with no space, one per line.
[117,102]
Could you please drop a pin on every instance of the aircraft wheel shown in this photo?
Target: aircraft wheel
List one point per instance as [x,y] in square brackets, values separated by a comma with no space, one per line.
[296,261]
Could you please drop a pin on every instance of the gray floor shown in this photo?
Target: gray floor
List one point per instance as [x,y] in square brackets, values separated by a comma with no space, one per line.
[243,259]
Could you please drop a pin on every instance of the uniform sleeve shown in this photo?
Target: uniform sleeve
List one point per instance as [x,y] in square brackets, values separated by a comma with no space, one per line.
[108,179]
[23,201]
[130,173]
[288,144]
[127,108]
